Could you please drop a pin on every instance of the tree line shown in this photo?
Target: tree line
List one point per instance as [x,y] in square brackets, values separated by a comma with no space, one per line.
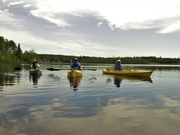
[11,52]
[108,60]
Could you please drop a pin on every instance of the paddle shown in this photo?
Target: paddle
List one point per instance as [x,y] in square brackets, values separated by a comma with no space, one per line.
[57,69]
[53,69]
[18,68]
[88,69]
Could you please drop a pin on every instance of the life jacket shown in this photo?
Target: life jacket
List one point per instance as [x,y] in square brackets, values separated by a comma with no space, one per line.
[75,65]
[37,66]
[34,66]
[118,66]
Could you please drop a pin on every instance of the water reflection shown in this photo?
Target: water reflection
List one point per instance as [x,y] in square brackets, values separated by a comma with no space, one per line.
[34,78]
[134,78]
[118,79]
[74,82]
[8,79]
[148,109]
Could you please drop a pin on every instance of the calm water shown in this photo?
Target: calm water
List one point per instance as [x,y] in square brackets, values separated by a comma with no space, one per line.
[95,104]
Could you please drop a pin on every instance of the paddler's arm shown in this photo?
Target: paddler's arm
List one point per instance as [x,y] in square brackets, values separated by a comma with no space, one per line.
[71,63]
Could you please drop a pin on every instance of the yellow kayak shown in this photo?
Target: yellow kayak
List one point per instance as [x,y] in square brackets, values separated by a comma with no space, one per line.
[126,72]
[74,73]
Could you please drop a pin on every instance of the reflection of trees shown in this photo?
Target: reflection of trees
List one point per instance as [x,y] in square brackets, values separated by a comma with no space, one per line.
[7,80]
[7,74]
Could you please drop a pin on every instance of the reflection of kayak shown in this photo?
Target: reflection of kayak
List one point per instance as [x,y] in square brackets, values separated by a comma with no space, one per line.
[133,78]
[74,82]
[126,72]
[74,73]
[35,72]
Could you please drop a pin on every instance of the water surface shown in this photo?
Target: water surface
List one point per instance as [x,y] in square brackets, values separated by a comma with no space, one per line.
[95,104]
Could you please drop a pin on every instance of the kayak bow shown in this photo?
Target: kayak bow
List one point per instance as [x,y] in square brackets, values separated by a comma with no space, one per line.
[74,73]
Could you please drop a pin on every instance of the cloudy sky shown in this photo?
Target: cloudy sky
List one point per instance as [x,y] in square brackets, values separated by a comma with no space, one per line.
[102,28]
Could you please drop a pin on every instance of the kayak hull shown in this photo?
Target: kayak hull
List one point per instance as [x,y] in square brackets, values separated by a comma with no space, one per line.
[127,72]
[74,73]
[35,72]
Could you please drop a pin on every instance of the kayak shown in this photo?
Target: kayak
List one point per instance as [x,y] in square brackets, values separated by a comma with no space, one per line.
[35,72]
[74,80]
[74,73]
[126,72]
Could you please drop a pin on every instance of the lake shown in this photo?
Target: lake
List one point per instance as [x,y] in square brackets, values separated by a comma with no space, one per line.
[95,104]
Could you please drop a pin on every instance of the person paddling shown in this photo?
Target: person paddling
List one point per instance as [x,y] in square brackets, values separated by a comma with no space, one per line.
[35,65]
[75,64]
[117,65]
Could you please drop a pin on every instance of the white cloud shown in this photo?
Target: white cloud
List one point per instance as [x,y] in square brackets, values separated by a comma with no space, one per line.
[145,25]
[4,1]
[16,3]
[171,27]
[28,5]
[5,15]
[51,18]
[118,12]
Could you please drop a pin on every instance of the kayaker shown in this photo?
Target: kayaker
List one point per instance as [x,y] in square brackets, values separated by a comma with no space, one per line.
[35,65]
[117,65]
[75,64]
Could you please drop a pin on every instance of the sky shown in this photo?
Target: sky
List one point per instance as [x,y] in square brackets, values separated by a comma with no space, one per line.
[100,28]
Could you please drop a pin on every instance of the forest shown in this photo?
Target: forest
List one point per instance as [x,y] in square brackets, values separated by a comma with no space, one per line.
[11,52]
